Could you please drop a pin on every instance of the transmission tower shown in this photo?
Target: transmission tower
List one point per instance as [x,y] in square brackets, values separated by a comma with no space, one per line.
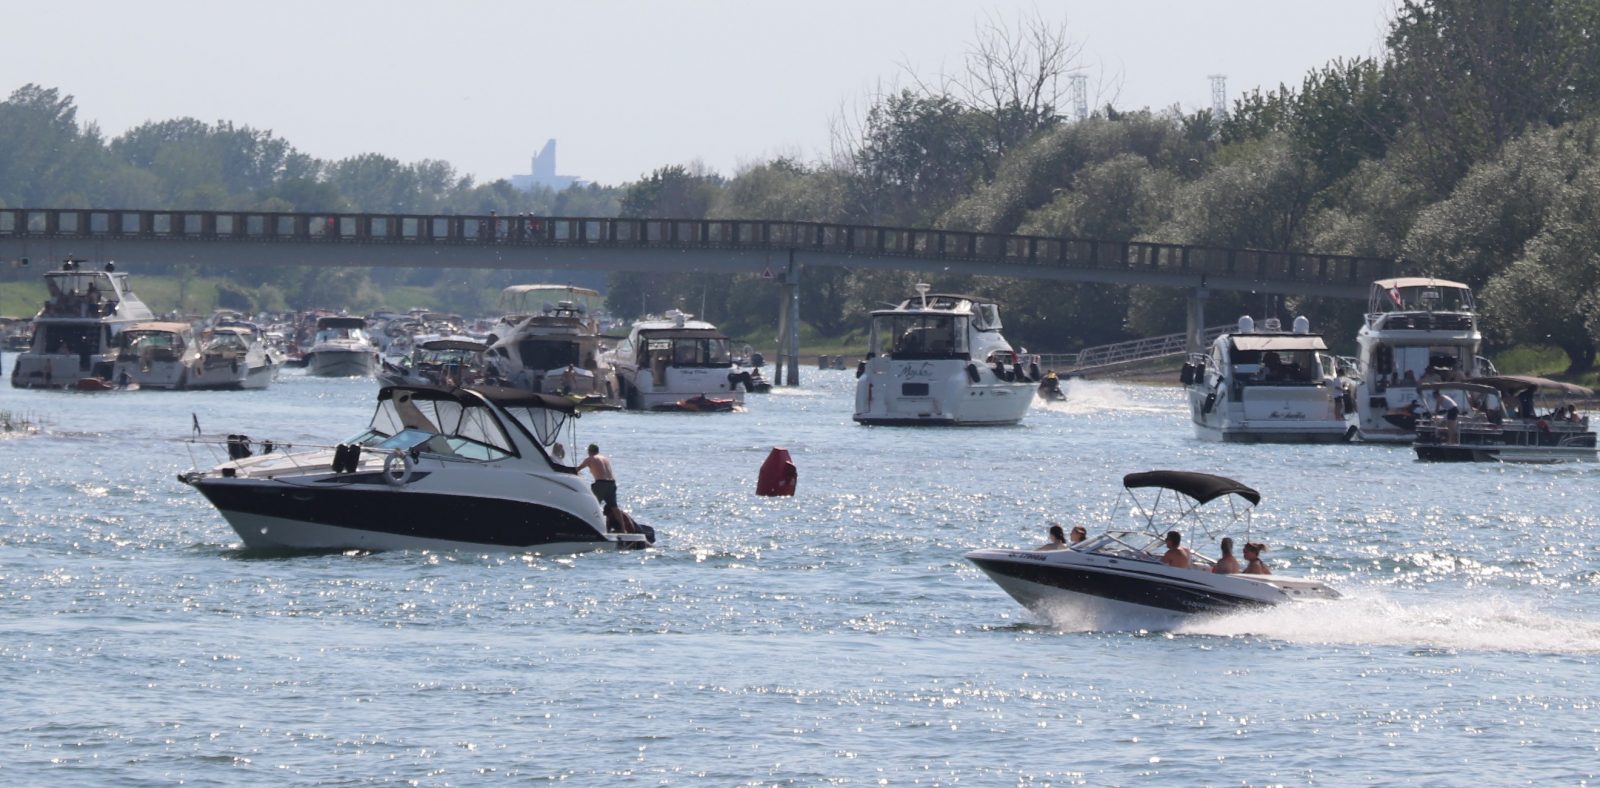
[1080,96]
[1219,97]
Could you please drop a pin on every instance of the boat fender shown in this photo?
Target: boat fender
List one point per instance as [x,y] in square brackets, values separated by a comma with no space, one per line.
[972,372]
[339,453]
[1000,370]
[406,467]
[1033,372]
[861,368]
[1018,374]
[238,447]
[778,474]
[1211,402]
[1187,375]
[266,447]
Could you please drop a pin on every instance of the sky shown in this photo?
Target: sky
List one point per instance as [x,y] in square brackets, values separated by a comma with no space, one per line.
[624,86]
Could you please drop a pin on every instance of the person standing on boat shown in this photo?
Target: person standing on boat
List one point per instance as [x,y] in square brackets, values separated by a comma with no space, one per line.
[605,482]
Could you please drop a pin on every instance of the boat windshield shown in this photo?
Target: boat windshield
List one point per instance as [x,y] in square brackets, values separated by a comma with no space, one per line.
[920,335]
[1435,297]
[469,431]
[693,351]
[1120,544]
[543,424]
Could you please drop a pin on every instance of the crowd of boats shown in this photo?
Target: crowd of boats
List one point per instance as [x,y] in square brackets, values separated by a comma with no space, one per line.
[472,443]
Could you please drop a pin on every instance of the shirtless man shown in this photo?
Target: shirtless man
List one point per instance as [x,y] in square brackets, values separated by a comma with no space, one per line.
[1227,564]
[605,483]
[1176,556]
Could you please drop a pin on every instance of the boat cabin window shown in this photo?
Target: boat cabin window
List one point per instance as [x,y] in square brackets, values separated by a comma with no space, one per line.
[547,354]
[986,317]
[71,339]
[690,351]
[920,335]
[543,424]
[1277,366]
[1441,362]
[1427,298]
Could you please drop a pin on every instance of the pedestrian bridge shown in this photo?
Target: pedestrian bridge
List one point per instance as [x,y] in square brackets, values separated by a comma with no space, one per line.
[222,238]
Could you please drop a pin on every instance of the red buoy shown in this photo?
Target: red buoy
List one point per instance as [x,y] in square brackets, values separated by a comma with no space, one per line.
[778,474]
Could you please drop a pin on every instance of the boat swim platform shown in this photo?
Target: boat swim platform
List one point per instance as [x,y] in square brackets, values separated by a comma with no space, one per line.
[774,249]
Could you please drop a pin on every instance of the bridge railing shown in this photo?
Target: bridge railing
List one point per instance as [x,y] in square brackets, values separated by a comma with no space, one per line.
[414,229]
[1129,351]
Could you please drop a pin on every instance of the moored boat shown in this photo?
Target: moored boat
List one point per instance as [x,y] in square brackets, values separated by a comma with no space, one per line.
[75,333]
[1503,418]
[665,361]
[155,355]
[342,349]
[939,359]
[1265,385]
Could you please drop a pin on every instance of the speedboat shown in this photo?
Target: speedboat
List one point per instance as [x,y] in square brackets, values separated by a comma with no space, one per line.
[668,360]
[1498,419]
[75,334]
[342,348]
[235,355]
[1119,573]
[939,359]
[472,468]
[155,355]
[1413,326]
[556,348]
[446,361]
[1266,385]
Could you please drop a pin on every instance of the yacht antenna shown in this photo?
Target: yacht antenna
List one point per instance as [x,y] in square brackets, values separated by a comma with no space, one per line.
[922,289]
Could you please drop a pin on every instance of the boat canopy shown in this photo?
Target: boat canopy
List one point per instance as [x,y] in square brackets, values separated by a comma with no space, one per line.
[341,322]
[1281,342]
[499,395]
[517,290]
[1202,487]
[168,327]
[1516,383]
[1416,281]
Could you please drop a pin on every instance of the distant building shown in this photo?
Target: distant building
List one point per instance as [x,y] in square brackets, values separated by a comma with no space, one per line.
[544,172]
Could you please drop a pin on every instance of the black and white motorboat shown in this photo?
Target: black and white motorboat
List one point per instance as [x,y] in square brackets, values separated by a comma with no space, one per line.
[1503,418]
[1119,575]
[477,468]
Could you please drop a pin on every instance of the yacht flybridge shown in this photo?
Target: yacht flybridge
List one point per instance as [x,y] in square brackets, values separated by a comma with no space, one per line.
[1417,330]
[1119,574]
[477,468]
[75,334]
[549,341]
[939,359]
[1265,385]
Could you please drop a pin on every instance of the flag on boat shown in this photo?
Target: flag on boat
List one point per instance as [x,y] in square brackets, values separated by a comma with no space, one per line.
[1394,295]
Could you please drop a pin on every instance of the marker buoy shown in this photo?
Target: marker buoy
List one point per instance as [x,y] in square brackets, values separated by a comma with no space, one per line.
[778,474]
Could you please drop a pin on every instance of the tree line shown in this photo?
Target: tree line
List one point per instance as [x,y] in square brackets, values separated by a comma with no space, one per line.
[1470,148]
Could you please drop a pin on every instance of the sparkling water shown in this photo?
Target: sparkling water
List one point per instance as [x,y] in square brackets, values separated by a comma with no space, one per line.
[837,636]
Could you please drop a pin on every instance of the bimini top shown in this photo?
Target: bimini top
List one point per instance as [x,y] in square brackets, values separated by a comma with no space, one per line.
[1515,383]
[499,395]
[516,290]
[1416,281]
[1202,487]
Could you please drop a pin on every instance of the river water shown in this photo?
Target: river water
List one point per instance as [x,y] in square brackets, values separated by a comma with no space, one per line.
[837,636]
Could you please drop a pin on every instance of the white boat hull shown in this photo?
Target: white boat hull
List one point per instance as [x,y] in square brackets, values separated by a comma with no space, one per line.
[939,392]
[643,392]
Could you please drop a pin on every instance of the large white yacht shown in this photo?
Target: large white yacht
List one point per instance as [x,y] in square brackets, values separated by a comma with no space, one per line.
[1417,329]
[1266,386]
[939,359]
[75,334]
[235,355]
[677,363]
[436,469]
[342,348]
[548,342]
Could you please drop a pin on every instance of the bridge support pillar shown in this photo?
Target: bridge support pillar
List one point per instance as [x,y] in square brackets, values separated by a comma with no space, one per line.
[1196,328]
[789,326]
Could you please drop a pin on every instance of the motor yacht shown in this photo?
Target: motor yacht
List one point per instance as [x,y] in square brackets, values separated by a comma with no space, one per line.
[156,355]
[1265,385]
[1413,325]
[939,359]
[75,333]
[1119,575]
[678,363]
[547,342]
[436,469]
[1503,418]
[235,355]
[446,361]
[342,348]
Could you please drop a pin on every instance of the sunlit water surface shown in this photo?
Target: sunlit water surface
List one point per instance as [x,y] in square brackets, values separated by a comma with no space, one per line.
[834,636]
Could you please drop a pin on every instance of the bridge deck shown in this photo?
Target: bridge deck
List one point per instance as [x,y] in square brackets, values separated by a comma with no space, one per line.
[617,243]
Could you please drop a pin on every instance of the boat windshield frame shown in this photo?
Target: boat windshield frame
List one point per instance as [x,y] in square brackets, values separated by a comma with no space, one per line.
[471,430]
[920,334]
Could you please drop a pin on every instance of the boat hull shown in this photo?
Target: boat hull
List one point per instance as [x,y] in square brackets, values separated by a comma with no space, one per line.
[342,363]
[939,393]
[360,514]
[1137,586]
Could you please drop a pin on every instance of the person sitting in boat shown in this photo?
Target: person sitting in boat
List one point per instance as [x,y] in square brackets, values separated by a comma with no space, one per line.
[1408,380]
[1253,565]
[1272,367]
[1177,555]
[1058,539]
[1078,534]
[1227,564]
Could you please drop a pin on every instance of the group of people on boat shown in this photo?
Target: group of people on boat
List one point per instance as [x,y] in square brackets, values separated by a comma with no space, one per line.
[1176,555]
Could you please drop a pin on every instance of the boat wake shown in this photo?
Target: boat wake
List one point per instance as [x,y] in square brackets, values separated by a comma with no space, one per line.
[1374,619]
[1098,396]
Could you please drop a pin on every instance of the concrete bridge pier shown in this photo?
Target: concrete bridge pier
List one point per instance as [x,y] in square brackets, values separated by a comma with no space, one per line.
[789,326]
[1196,328]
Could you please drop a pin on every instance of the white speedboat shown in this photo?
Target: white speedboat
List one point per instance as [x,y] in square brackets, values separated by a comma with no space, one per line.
[553,347]
[444,361]
[437,469]
[1503,418]
[75,334]
[235,355]
[939,359]
[1118,575]
[1416,329]
[156,355]
[1266,386]
[677,363]
[342,349]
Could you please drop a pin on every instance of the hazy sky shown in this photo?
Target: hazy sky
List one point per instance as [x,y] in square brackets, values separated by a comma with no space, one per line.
[625,86]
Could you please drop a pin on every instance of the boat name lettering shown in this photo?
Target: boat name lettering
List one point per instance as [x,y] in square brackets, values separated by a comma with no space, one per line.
[915,372]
